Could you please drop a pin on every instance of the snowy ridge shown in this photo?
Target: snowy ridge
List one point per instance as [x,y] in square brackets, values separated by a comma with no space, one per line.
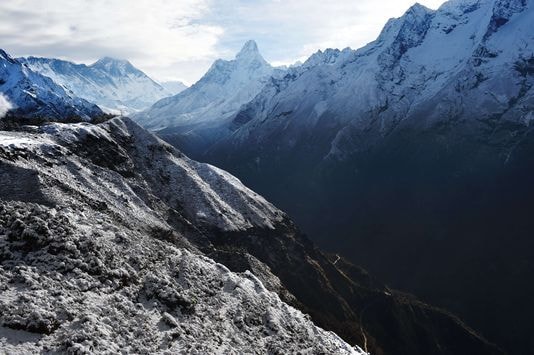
[208,195]
[32,95]
[174,87]
[113,84]
[425,67]
[88,263]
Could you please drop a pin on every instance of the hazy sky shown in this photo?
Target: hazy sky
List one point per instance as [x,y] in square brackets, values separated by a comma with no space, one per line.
[179,39]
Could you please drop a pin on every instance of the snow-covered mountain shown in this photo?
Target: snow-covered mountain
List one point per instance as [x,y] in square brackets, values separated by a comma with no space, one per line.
[28,94]
[214,99]
[115,85]
[410,143]
[110,240]
[470,58]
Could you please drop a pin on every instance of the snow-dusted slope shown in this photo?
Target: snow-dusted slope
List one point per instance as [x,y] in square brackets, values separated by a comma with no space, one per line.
[87,266]
[105,234]
[77,281]
[215,97]
[32,95]
[115,85]
[208,196]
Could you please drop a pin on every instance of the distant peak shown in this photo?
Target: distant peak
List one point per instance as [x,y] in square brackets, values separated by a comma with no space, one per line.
[328,56]
[416,14]
[250,46]
[417,8]
[5,56]
[250,49]
[114,65]
[418,5]
[110,60]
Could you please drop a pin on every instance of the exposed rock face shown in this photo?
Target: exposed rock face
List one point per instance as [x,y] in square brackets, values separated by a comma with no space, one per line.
[110,236]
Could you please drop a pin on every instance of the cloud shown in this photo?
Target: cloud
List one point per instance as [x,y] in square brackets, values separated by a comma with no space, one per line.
[5,105]
[150,33]
[179,39]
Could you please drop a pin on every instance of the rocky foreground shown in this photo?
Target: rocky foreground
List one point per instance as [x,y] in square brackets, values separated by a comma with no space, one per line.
[111,240]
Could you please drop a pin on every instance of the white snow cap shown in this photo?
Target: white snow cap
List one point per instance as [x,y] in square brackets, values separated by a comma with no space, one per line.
[249,50]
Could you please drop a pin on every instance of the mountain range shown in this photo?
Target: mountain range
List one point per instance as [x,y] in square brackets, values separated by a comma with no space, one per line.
[414,150]
[424,59]
[113,84]
[411,157]
[45,88]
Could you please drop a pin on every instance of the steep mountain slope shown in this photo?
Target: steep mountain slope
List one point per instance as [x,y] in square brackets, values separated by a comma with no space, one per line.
[80,273]
[200,113]
[132,299]
[104,228]
[31,95]
[417,148]
[113,84]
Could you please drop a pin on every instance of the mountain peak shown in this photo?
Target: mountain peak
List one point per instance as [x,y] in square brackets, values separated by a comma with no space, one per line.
[108,60]
[249,50]
[4,55]
[114,65]
[250,46]
[418,8]
[408,30]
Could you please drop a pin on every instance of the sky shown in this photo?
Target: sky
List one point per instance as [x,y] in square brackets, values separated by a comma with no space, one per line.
[179,39]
